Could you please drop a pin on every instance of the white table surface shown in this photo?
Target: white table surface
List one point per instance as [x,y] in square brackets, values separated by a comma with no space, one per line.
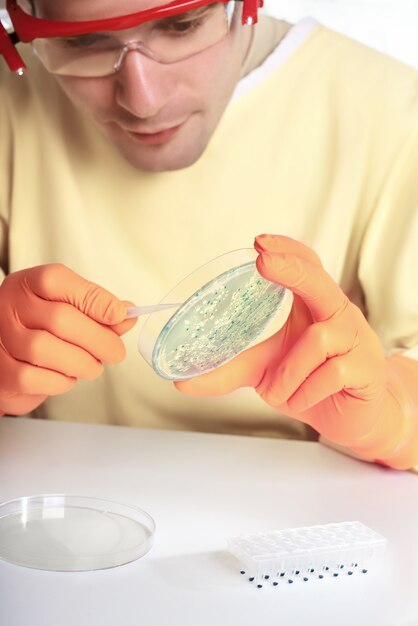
[202,489]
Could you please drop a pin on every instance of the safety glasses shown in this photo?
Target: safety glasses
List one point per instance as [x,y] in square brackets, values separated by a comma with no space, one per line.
[167,33]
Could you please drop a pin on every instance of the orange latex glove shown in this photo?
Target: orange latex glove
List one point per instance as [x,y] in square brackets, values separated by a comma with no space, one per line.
[326,366]
[55,327]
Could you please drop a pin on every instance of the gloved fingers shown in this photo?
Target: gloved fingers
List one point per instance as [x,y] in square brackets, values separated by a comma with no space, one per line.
[15,404]
[56,282]
[279,244]
[318,343]
[340,373]
[244,370]
[40,348]
[71,325]
[311,283]
[124,327]
[25,379]
[127,324]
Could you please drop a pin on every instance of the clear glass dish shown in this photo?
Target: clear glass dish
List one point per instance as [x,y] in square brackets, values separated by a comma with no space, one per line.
[73,533]
[223,307]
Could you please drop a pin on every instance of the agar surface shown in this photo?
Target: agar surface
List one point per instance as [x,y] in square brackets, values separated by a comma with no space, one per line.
[216,323]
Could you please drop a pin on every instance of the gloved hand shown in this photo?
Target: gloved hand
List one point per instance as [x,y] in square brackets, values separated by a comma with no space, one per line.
[55,327]
[326,366]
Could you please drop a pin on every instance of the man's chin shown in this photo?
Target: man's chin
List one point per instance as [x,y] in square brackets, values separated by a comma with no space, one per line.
[160,158]
[155,154]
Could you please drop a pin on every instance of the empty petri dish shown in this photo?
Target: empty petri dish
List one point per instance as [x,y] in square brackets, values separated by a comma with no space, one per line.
[222,308]
[72,533]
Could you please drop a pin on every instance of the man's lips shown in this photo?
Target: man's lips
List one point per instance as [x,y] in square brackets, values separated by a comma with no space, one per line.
[156,136]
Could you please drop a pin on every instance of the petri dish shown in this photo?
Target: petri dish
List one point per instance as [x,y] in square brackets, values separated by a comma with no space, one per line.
[221,309]
[72,533]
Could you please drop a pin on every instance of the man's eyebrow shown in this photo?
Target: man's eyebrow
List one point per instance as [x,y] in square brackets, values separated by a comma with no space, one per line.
[193,14]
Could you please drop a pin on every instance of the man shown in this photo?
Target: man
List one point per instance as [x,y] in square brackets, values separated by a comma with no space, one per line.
[146,139]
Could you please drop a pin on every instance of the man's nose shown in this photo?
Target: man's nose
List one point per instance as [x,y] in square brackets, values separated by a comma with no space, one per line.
[144,86]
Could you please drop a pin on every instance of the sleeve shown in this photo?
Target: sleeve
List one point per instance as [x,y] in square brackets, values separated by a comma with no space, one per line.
[388,264]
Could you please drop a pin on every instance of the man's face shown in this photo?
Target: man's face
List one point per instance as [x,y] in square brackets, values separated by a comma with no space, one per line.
[160,117]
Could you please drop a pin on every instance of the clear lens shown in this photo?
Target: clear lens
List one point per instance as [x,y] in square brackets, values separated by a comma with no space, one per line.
[60,56]
[165,40]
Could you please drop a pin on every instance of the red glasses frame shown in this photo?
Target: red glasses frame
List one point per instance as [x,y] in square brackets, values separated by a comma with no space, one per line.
[27,27]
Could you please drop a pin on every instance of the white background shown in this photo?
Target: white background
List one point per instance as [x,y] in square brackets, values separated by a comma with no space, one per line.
[388,25]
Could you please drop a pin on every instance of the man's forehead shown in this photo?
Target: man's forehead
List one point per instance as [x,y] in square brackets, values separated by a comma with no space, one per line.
[76,10]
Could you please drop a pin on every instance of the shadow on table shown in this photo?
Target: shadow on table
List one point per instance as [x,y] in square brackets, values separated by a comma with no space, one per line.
[205,569]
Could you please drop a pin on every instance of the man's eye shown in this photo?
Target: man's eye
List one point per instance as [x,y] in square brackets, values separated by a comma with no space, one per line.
[180,27]
[185,27]
[82,41]
[188,23]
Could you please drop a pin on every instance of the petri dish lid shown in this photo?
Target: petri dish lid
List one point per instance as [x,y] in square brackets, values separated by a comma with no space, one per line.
[71,533]
[222,308]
